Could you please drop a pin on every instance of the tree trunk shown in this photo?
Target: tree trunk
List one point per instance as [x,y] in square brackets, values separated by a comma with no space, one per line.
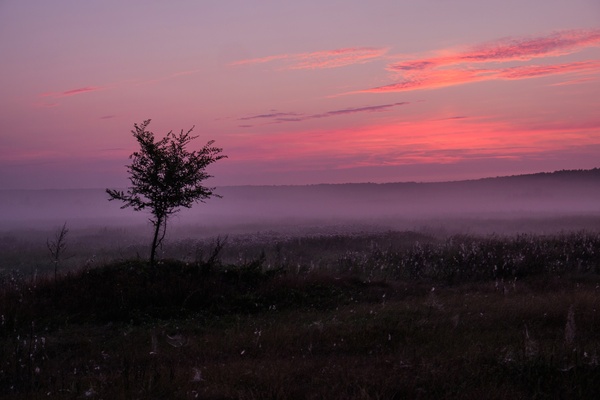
[157,224]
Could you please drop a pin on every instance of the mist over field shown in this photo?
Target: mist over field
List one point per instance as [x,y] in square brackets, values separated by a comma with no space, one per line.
[367,283]
[545,202]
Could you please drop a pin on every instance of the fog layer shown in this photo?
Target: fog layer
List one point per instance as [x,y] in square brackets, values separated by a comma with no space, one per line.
[570,199]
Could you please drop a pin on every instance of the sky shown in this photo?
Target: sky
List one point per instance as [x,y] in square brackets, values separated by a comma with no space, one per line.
[300,92]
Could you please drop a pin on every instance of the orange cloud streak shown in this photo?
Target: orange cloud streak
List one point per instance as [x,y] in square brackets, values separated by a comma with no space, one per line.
[433,141]
[534,71]
[451,77]
[520,49]
[321,59]
[455,67]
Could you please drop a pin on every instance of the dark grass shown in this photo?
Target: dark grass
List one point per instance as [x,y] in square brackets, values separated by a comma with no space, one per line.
[463,318]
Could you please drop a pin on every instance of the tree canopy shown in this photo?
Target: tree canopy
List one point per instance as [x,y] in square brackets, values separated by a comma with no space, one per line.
[165,176]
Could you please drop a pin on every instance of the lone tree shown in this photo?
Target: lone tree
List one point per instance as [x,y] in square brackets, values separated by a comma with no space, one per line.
[165,176]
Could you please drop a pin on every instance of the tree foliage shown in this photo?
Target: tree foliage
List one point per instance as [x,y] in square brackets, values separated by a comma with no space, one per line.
[165,176]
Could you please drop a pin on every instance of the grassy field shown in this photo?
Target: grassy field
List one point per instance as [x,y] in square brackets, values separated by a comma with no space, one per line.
[388,315]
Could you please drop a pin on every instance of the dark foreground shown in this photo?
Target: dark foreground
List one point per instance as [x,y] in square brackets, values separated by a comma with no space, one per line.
[467,318]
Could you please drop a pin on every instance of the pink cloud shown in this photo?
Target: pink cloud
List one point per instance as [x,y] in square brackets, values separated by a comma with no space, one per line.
[454,67]
[533,71]
[261,60]
[440,140]
[432,80]
[435,79]
[72,92]
[321,59]
[89,89]
[574,81]
[519,49]
[80,91]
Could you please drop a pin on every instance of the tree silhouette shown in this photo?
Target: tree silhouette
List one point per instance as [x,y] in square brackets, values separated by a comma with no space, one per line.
[165,176]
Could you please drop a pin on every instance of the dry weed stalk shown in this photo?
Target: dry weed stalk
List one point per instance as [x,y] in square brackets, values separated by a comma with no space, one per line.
[58,246]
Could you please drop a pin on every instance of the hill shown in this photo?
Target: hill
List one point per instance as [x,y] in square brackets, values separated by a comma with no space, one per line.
[560,193]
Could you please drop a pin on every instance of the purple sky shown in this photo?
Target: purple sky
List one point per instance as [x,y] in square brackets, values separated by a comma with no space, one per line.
[300,92]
